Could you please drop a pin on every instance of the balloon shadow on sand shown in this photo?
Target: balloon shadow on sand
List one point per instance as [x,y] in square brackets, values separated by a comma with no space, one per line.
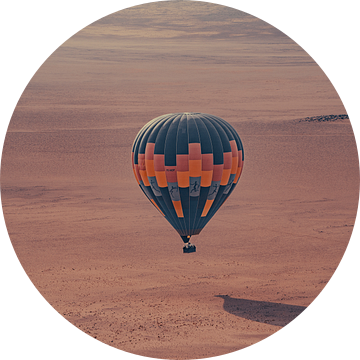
[262,311]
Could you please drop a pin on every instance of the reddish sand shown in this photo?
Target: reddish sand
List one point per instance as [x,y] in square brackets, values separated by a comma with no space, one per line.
[101,254]
[105,259]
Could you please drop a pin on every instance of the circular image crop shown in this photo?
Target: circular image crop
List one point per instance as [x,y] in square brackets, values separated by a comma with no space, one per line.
[168,122]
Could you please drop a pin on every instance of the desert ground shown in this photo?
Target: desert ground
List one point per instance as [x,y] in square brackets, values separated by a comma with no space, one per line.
[109,263]
[102,255]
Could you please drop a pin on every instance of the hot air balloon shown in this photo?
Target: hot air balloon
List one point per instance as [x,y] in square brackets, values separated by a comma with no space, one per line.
[187,164]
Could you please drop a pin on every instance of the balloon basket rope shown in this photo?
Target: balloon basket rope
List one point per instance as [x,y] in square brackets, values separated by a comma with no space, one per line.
[189,248]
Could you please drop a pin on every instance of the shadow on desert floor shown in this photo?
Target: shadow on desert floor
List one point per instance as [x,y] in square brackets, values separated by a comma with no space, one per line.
[262,311]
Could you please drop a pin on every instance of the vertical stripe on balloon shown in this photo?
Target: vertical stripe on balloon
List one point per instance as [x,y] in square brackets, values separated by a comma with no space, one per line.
[240,166]
[159,169]
[195,160]
[142,169]
[227,168]
[135,169]
[207,169]
[178,208]
[182,167]
[207,207]
[235,160]
[149,159]
[152,200]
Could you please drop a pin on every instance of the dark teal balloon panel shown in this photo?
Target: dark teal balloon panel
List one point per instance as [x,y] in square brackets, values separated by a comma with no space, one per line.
[187,164]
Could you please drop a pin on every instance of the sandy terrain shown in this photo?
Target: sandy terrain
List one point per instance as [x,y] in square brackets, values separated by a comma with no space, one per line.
[99,252]
[106,260]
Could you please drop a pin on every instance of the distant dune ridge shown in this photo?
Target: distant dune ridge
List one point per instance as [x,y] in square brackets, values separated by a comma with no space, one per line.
[325,118]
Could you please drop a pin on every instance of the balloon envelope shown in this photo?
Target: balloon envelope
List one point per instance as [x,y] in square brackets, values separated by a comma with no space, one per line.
[187,164]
